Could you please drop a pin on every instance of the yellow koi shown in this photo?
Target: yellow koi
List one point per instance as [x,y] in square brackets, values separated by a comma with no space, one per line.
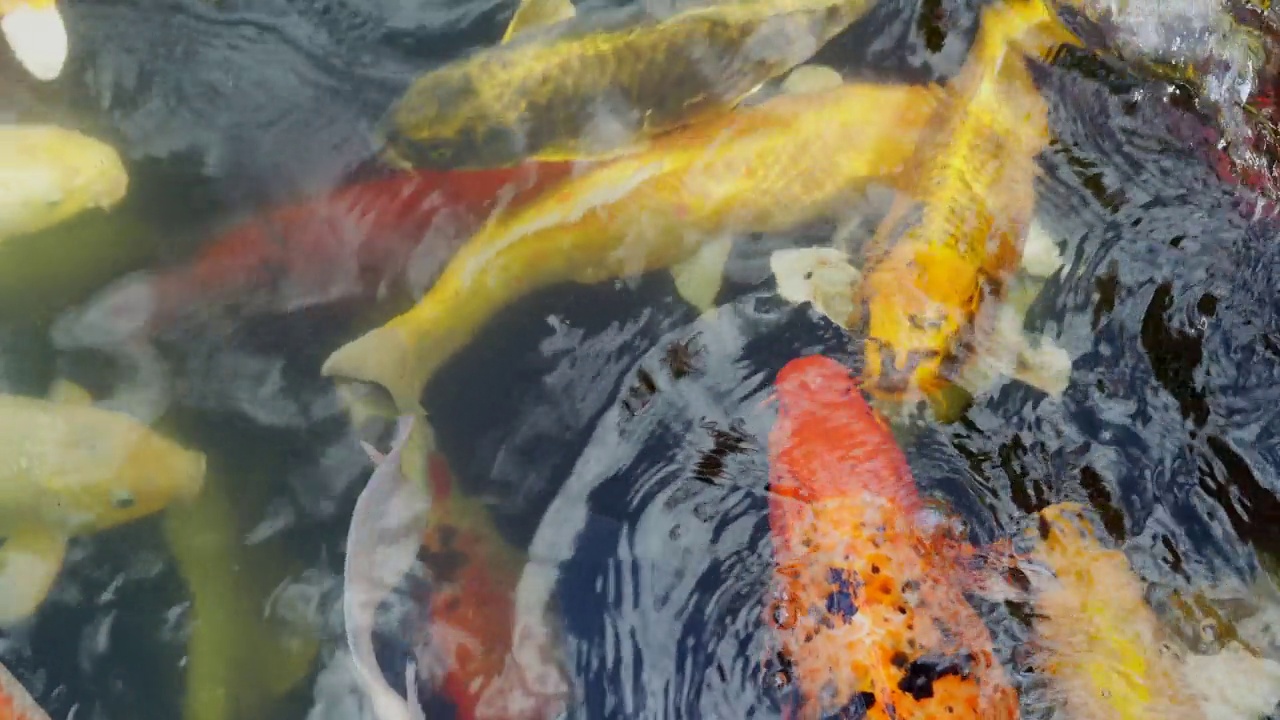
[48,174]
[768,168]
[36,34]
[1106,651]
[976,189]
[71,469]
[592,89]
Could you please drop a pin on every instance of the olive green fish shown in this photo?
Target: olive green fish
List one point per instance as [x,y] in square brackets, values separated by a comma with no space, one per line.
[48,174]
[587,89]
[67,469]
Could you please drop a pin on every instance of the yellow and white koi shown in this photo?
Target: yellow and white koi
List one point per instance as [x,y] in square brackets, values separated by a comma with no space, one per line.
[49,174]
[67,469]
[769,168]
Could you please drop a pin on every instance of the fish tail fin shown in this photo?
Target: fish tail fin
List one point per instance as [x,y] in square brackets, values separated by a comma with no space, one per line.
[36,33]
[383,356]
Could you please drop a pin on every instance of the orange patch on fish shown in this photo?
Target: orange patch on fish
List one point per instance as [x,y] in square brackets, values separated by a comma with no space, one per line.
[15,702]
[868,599]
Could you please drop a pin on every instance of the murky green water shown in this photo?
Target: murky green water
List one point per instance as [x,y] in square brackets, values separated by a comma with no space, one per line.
[568,413]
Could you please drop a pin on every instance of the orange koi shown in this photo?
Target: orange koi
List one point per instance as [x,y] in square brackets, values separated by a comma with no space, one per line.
[868,602]
[15,702]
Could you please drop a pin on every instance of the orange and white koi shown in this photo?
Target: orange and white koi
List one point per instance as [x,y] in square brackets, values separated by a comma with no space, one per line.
[868,605]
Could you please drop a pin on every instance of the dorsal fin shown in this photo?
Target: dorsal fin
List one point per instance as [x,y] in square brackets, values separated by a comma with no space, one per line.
[538,13]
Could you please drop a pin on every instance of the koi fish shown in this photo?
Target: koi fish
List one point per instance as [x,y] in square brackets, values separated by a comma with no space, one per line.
[354,241]
[925,296]
[73,469]
[386,528]
[49,174]
[576,89]
[15,702]
[768,168]
[1106,652]
[868,602]
[36,34]
[474,573]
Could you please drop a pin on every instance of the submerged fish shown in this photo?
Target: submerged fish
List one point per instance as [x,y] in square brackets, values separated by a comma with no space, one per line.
[48,174]
[577,90]
[1105,650]
[926,296]
[37,35]
[769,168]
[72,469]
[868,602]
[355,241]
[471,609]
[15,702]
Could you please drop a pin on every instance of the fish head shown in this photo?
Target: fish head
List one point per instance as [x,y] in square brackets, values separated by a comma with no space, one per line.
[116,470]
[445,123]
[829,443]
[93,172]
[1064,530]
[917,312]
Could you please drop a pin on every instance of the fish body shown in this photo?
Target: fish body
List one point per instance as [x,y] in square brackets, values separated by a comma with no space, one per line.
[49,174]
[15,702]
[976,198]
[767,168]
[586,90]
[352,242]
[36,34]
[73,469]
[868,602]
[474,572]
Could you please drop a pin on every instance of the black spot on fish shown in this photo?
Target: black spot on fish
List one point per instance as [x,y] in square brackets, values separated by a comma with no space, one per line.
[1045,528]
[444,561]
[857,708]
[921,674]
[842,600]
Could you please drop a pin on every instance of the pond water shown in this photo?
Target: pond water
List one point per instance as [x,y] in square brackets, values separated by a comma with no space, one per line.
[591,420]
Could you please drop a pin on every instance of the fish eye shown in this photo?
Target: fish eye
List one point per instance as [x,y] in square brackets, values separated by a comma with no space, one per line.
[122,499]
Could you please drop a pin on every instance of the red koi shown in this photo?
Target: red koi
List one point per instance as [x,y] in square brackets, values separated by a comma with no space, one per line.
[868,598]
[474,574]
[353,242]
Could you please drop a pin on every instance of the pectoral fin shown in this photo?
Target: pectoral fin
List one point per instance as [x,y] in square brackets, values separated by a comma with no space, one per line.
[699,278]
[1040,255]
[29,563]
[811,78]
[1043,365]
[65,392]
[538,13]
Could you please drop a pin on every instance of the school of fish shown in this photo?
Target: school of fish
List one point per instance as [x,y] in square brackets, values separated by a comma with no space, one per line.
[585,148]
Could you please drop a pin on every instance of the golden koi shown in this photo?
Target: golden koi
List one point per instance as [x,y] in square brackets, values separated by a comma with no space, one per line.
[36,34]
[71,469]
[976,194]
[868,600]
[767,168]
[591,90]
[1107,653]
[48,174]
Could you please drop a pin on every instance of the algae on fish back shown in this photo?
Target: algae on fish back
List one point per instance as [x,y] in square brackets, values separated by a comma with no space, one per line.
[591,89]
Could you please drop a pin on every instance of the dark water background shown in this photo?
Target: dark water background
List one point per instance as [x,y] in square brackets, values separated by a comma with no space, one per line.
[1168,305]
